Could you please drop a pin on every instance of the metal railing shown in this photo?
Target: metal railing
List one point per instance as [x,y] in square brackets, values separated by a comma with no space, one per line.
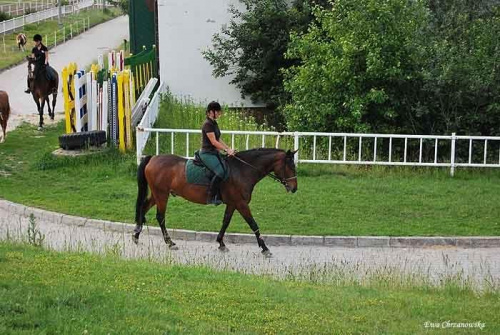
[20,8]
[344,148]
[19,22]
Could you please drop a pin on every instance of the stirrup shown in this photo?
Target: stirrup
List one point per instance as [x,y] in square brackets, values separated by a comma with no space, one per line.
[214,201]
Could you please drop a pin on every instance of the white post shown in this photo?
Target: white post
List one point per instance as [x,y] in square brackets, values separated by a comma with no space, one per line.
[452,160]
[71,30]
[55,38]
[296,147]
[3,38]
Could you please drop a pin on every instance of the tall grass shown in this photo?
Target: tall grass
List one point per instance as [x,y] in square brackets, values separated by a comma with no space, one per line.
[184,113]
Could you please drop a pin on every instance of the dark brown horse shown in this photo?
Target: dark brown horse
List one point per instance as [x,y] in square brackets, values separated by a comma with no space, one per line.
[4,113]
[41,88]
[166,175]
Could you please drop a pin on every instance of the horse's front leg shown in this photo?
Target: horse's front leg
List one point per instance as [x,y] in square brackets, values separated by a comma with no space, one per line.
[247,215]
[40,111]
[228,214]
[42,106]
[48,107]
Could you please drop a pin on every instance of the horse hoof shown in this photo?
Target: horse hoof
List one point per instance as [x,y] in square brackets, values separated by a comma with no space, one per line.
[267,254]
[173,247]
[135,239]
[223,249]
[40,128]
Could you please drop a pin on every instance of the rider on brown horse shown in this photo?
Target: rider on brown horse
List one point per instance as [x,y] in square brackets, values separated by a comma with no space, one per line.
[209,154]
[41,55]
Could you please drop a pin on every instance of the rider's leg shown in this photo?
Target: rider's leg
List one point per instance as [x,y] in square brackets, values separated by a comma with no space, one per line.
[28,90]
[213,191]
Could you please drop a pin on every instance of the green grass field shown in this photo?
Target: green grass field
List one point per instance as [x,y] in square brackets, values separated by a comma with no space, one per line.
[330,200]
[12,55]
[47,293]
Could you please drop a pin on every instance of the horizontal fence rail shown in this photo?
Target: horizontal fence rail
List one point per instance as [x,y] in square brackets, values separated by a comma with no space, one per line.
[342,148]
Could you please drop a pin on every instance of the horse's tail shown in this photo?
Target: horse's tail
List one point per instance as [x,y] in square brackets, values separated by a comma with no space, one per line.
[142,189]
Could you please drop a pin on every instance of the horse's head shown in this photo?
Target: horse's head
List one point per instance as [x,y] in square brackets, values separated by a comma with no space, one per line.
[285,171]
[31,62]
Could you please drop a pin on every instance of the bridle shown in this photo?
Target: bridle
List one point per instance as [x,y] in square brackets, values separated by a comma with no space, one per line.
[283,181]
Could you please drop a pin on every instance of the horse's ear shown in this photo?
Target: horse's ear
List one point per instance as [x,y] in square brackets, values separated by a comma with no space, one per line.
[291,153]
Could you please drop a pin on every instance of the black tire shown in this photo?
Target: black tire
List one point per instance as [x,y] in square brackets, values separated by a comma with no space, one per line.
[82,140]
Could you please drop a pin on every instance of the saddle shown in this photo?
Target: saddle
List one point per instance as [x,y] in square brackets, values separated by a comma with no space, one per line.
[197,172]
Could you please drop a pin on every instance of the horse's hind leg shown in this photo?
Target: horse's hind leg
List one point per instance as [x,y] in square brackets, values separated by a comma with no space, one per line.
[161,208]
[145,208]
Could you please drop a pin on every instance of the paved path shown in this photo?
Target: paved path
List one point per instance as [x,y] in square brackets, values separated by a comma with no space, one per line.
[83,50]
[481,265]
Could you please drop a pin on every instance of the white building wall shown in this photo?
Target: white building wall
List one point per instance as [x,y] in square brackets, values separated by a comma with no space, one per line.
[185,29]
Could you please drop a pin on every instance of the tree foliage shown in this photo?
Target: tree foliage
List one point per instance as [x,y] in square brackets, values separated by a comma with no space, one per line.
[397,66]
[252,45]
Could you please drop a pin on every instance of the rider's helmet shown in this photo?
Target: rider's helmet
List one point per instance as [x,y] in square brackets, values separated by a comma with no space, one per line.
[213,106]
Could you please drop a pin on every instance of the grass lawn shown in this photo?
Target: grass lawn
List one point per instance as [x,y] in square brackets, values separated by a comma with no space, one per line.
[329,201]
[71,293]
[13,56]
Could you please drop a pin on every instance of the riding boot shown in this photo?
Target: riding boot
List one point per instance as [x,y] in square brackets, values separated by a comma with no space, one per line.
[28,91]
[213,193]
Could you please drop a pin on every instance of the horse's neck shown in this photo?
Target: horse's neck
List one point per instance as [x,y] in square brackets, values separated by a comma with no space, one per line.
[262,164]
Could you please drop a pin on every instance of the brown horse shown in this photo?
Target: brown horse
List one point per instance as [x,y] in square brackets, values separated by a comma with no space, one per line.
[165,175]
[21,41]
[4,113]
[41,88]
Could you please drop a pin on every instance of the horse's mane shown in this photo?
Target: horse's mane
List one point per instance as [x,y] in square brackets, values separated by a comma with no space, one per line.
[254,153]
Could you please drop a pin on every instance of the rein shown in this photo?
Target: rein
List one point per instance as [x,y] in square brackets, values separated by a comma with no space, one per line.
[282,181]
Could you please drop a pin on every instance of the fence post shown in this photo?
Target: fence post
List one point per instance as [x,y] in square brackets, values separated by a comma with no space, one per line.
[452,159]
[296,147]
[71,30]
[55,38]
[64,34]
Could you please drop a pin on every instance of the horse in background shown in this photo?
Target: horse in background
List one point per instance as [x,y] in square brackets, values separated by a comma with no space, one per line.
[4,113]
[21,41]
[41,88]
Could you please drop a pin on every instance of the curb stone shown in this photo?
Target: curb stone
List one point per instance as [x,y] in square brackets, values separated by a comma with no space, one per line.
[292,240]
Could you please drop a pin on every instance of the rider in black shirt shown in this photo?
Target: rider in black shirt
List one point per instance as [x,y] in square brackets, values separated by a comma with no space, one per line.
[40,53]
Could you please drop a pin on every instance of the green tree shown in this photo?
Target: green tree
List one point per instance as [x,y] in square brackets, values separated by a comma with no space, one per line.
[252,45]
[359,64]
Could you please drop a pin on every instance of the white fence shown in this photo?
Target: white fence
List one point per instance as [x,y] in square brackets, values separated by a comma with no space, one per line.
[20,8]
[149,118]
[342,148]
[19,22]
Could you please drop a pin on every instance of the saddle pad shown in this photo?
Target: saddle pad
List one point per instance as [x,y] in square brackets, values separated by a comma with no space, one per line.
[197,174]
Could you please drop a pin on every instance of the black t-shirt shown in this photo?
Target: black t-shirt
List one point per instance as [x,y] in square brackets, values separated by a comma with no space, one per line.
[40,54]
[209,126]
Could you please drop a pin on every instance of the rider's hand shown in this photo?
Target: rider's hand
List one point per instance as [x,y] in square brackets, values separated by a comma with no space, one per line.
[230,151]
